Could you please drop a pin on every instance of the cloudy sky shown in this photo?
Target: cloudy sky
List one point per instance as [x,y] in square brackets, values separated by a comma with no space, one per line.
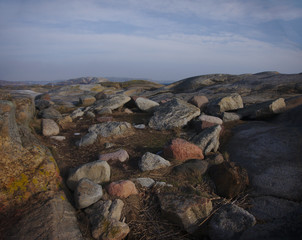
[163,40]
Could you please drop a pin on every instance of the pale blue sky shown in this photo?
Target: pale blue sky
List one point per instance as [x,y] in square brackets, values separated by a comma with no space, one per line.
[156,39]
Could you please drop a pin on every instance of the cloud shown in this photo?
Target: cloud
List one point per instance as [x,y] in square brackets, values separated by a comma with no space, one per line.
[163,57]
[167,39]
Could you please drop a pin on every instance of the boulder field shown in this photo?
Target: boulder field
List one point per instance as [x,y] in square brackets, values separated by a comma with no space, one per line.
[208,157]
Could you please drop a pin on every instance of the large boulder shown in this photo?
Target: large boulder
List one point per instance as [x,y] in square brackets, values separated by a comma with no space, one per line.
[52,219]
[50,127]
[229,222]
[228,103]
[87,193]
[182,150]
[150,161]
[98,172]
[106,129]
[104,218]
[112,102]
[145,104]
[187,212]
[173,114]
[208,139]
[109,129]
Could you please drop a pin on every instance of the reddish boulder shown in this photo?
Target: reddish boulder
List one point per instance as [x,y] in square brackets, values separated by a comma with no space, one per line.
[123,188]
[182,150]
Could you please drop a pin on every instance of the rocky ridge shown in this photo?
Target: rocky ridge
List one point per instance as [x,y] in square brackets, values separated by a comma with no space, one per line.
[169,173]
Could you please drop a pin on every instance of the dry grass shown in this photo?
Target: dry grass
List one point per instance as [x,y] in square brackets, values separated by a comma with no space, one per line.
[148,223]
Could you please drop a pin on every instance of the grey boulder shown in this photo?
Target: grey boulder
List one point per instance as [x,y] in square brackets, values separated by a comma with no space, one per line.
[173,114]
[104,218]
[50,127]
[87,193]
[109,129]
[208,139]
[150,161]
[145,104]
[112,102]
[98,172]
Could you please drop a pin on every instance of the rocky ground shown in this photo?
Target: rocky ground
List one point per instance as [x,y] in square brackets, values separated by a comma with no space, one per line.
[209,157]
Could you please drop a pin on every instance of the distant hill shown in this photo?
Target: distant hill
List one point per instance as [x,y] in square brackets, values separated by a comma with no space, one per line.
[81,80]
[14,83]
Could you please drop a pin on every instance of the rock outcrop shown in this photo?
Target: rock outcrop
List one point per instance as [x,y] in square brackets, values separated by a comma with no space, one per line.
[173,114]
[229,222]
[53,219]
[27,167]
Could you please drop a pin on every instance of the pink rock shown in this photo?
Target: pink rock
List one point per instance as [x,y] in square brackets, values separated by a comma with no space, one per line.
[209,121]
[123,188]
[199,101]
[182,150]
[120,155]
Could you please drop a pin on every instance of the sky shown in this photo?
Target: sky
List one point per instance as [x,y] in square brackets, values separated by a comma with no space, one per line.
[160,40]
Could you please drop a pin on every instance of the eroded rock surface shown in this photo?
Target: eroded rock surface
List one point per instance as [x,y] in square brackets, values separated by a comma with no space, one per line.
[229,222]
[173,114]
[54,219]
[27,167]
